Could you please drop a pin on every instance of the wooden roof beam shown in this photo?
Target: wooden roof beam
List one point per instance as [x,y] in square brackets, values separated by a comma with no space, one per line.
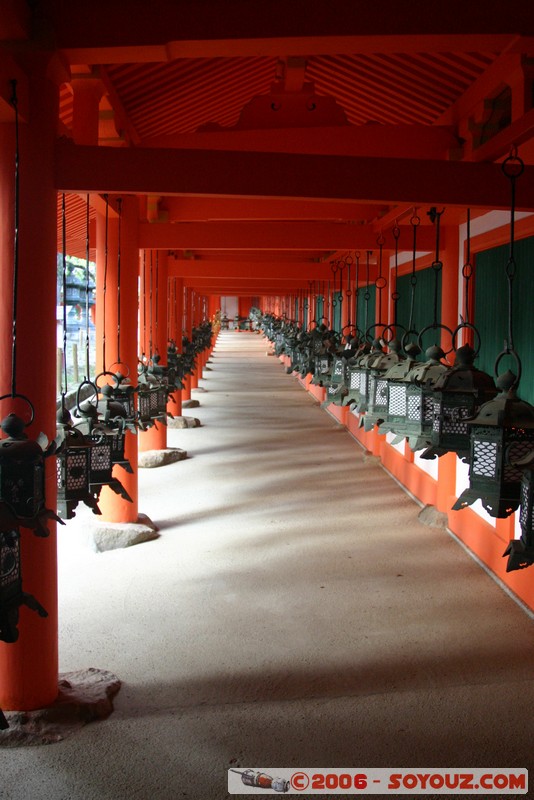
[272,236]
[82,168]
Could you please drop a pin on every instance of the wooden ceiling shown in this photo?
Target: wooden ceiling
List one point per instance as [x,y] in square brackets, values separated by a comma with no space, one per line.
[287,132]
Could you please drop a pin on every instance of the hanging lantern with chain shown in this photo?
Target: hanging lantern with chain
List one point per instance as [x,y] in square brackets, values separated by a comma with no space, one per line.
[397,376]
[22,470]
[378,377]
[502,432]
[423,376]
[357,375]
[73,457]
[374,366]
[459,392]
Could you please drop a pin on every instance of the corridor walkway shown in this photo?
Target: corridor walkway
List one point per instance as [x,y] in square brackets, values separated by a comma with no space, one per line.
[293,613]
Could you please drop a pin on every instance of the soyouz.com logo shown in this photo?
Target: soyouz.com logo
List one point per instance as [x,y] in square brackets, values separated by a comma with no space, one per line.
[313,780]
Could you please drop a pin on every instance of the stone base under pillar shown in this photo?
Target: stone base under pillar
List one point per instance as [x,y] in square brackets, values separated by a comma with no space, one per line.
[84,696]
[190,403]
[183,422]
[147,459]
[118,535]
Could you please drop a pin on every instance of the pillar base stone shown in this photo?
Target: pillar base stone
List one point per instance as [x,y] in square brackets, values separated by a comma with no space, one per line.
[118,535]
[148,459]
[190,403]
[84,696]
[184,422]
[429,515]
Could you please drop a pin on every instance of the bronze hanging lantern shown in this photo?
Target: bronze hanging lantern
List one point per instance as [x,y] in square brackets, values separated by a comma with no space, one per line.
[101,452]
[362,374]
[378,386]
[457,396]
[501,434]
[459,393]
[12,595]
[397,381]
[73,468]
[397,377]
[520,551]
[419,398]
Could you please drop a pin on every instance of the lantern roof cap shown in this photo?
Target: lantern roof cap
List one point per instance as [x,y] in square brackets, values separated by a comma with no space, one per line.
[506,410]
[465,377]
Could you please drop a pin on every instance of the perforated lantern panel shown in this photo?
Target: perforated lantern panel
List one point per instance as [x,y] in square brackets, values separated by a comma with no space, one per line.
[74,470]
[144,405]
[526,517]
[22,487]
[355,379]
[428,409]
[397,400]
[484,460]
[118,441]
[381,397]
[338,370]
[518,445]
[414,408]
[101,464]
[9,560]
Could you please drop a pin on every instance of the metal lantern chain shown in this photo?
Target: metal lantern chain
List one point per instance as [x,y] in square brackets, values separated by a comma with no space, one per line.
[380,282]
[104,286]
[64,388]
[437,265]
[357,256]
[348,293]
[395,295]
[87,254]
[512,168]
[467,269]
[367,294]
[119,209]
[14,102]
[415,222]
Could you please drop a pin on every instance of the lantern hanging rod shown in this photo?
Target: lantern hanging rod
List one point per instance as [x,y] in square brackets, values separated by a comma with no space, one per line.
[395,296]
[104,287]
[119,208]
[415,221]
[15,104]
[437,265]
[64,388]
[87,254]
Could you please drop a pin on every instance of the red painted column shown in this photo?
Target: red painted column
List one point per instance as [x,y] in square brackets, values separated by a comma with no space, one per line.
[449,316]
[113,507]
[186,331]
[192,321]
[29,668]
[155,438]
[176,312]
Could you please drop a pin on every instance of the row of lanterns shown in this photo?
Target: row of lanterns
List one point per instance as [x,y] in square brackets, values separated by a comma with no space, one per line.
[438,408]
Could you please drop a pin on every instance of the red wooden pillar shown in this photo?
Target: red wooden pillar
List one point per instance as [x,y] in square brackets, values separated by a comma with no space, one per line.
[155,438]
[121,335]
[176,312]
[186,331]
[449,316]
[29,668]
[192,321]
